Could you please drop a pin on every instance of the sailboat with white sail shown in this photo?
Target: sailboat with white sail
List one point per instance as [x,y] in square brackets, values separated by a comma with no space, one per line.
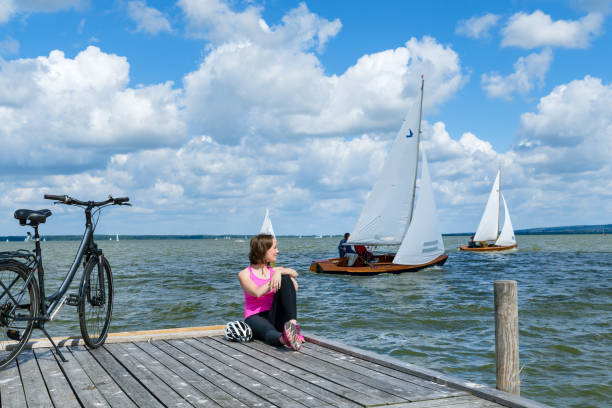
[266,227]
[394,215]
[487,237]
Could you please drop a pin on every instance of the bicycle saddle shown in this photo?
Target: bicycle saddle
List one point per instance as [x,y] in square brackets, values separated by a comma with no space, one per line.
[34,216]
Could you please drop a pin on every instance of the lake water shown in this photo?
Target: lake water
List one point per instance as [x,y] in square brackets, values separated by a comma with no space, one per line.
[440,318]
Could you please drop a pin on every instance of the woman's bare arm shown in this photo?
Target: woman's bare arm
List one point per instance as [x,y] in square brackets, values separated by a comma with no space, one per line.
[286,271]
[250,287]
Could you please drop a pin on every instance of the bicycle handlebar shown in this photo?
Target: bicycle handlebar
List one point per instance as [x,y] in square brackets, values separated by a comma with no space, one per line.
[64,199]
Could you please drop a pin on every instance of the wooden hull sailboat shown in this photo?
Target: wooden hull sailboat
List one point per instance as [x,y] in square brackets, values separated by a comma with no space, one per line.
[488,248]
[381,264]
[394,215]
[488,228]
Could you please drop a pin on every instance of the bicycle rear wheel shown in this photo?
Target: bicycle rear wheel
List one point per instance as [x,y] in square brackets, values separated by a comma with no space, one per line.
[18,306]
[96,301]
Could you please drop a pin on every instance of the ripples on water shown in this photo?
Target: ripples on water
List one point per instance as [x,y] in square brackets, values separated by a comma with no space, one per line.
[440,318]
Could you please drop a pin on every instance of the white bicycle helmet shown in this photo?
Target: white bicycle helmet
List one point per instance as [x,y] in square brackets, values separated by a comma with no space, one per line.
[238,331]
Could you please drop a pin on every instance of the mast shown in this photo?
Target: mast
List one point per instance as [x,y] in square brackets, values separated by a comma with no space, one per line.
[416,168]
[498,203]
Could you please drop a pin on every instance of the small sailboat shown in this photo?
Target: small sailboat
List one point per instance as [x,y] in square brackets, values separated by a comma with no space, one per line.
[116,237]
[266,227]
[394,215]
[488,228]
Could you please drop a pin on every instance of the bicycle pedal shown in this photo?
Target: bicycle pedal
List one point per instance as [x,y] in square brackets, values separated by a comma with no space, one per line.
[73,299]
[13,334]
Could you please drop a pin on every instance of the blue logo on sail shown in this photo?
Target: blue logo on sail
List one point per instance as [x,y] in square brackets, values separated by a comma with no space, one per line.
[410,134]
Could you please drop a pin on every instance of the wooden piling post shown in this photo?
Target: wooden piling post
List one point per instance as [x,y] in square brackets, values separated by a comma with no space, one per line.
[506,337]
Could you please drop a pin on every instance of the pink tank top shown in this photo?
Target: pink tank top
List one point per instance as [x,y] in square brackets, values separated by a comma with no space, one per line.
[254,305]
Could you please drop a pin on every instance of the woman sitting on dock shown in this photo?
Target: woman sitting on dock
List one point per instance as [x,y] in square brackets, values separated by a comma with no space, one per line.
[270,296]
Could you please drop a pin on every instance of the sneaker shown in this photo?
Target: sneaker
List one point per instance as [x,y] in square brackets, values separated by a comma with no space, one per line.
[299,333]
[290,336]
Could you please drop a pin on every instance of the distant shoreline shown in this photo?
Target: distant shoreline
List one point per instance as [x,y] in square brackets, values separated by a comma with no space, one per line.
[568,230]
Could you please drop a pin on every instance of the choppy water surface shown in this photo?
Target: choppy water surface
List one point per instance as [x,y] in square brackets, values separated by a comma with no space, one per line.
[440,318]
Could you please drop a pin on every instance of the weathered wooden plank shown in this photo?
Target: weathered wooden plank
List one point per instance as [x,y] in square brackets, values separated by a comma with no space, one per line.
[128,383]
[59,389]
[296,397]
[182,388]
[33,384]
[165,394]
[263,392]
[11,388]
[187,355]
[341,396]
[355,381]
[107,386]
[464,401]
[290,379]
[478,390]
[407,389]
[82,385]
[386,370]
[187,374]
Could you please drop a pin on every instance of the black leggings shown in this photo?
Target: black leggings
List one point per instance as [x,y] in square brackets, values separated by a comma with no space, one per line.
[268,325]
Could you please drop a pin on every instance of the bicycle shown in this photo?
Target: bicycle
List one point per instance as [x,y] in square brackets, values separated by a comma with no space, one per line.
[24,305]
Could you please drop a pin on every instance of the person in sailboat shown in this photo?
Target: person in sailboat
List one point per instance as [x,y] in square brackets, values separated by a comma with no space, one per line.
[270,296]
[344,249]
[472,243]
[363,252]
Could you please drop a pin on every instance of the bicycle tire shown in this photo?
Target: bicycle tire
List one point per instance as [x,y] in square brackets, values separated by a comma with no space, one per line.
[95,302]
[13,291]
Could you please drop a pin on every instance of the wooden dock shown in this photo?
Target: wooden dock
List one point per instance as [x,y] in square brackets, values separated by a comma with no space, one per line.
[197,367]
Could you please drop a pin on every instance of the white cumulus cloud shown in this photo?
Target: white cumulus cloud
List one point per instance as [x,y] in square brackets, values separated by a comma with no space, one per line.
[300,29]
[477,27]
[147,19]
[62,112]
[539,30]
[286,94]
[528,71]
[571,130]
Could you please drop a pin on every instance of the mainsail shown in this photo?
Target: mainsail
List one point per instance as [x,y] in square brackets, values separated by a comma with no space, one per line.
[423,241]
[507,235]
[489,223]
[266,227]
[388,209]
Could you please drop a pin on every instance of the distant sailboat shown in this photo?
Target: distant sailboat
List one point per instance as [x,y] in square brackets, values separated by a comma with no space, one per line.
[488,228]
[394,215]
[266,227]
[116,237]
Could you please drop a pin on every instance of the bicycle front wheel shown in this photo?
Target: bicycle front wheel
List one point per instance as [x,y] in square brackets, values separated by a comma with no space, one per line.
[18,308]
[96,301]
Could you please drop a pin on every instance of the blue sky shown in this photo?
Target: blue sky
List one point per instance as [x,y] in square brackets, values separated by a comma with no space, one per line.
[207,112]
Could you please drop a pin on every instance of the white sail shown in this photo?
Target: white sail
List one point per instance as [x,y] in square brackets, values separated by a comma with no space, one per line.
[388,208]
[423,240]
[489,223]
[266,227]
[117,237]
[507,235]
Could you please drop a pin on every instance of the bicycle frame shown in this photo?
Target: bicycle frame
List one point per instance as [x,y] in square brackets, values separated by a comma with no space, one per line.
[86,247]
